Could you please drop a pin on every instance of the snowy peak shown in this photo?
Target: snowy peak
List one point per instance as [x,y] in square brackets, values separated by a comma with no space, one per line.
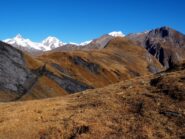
[52,42]
[26,44]
[85,43]
[116,34]
[18,36]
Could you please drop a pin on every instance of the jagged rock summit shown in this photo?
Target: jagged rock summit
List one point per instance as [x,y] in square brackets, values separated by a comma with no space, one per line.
[165,43]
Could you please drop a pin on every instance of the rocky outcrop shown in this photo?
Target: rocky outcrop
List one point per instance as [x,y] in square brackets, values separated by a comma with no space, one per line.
[70,85]
[14,75]
[59,68]
[92,67]
[166,44]
[173,89]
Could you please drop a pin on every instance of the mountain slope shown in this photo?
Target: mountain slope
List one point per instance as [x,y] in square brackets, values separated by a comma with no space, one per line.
[119,60]
[22,75]
[56,74]
[166,44]
[99,43]
[143,107]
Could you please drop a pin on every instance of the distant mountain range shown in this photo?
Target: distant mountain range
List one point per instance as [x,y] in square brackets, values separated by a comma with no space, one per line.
[47,44]
[165,43]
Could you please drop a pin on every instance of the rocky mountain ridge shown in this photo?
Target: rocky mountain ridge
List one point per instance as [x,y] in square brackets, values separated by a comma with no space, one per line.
[165,43]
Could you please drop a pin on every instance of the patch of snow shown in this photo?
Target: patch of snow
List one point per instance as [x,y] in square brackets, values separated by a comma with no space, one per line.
[85,43]
[73,43]
[116,34]
[81,44]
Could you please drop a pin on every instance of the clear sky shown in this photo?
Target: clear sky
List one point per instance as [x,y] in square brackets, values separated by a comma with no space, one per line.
[81,20]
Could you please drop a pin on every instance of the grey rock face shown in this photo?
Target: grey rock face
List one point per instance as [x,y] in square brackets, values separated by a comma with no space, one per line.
[92,67]
[61,69]
[13,73]
[70,85]
[166,44]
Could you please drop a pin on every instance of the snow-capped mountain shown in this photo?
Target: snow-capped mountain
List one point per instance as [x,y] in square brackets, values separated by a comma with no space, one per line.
[116,34]
[27,45]
[51,43]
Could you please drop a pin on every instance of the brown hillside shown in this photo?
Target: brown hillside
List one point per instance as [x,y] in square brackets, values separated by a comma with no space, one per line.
[143,107]
[24,77]
[121,59]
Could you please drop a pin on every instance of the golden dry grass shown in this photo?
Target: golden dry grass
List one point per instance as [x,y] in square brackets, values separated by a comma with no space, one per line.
[6,96]
[44,88]
[141,107]
[32,63]
[120,60]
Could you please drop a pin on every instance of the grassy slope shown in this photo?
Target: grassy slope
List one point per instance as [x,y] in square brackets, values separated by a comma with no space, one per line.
[143,107]
[120,60]
[43,87]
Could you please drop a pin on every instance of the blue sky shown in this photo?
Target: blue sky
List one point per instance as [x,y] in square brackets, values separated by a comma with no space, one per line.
[81,20]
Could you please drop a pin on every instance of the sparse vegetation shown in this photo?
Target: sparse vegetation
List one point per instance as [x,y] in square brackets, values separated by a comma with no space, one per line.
[135,108]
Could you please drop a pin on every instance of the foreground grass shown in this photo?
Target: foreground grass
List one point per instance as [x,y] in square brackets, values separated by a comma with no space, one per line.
[144,107]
